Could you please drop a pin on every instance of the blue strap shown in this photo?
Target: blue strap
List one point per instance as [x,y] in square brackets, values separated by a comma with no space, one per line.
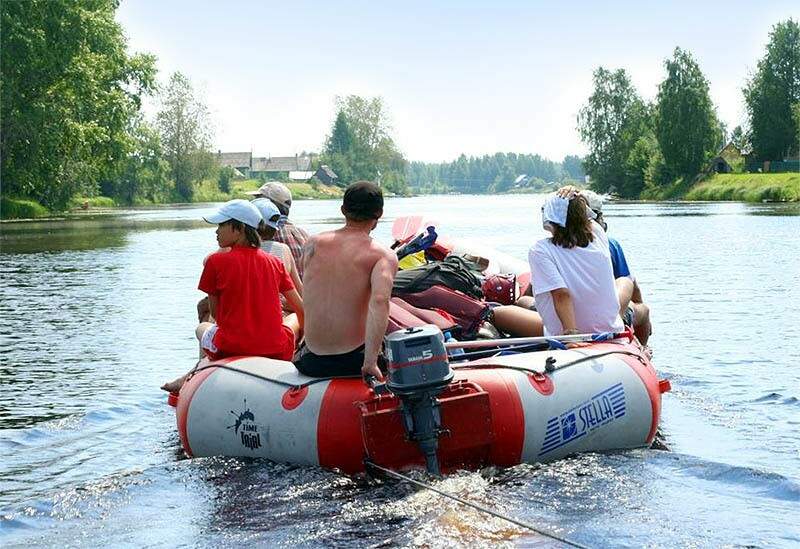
[604,336]
[556,345]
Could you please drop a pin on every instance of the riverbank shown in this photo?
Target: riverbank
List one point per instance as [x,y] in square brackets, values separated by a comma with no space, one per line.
[206,191]
[732,187]
[748,187]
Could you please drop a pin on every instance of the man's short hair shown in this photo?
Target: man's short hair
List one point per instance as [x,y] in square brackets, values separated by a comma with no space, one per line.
[363,200]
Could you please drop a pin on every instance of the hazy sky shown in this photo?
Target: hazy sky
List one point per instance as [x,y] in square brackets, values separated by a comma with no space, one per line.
[456,77]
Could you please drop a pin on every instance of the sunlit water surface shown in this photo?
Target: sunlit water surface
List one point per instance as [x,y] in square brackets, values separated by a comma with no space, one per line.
[98,312]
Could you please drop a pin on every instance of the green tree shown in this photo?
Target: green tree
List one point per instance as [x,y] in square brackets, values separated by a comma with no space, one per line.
[145,173]
[740,138]
[185,127]
[686,124]
[360,145]
[341,138]
[771,92]
[68,91]
[573,167]
[611,123]
[224,178]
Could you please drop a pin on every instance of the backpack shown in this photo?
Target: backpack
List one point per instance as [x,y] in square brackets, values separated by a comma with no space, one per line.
[454,272]
[467,311]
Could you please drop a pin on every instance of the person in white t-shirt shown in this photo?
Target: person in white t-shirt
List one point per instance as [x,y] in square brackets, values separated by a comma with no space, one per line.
[573,281]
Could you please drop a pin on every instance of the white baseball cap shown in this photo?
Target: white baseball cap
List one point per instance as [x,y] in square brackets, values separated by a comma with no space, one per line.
[238,209]
[269,212]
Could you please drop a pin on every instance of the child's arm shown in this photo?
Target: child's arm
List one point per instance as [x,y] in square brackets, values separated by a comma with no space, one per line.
[296,302]
[298,284]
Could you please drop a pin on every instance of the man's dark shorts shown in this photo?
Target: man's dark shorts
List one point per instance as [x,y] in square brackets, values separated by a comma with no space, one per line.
[344,364]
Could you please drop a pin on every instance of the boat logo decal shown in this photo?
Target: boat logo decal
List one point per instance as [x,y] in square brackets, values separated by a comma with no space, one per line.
[601,409]
[246,422]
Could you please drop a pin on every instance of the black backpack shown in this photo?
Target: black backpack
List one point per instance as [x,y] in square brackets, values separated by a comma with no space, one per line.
[454,272]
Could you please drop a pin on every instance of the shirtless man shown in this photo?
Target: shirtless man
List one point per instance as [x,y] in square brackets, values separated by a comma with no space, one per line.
[347,284]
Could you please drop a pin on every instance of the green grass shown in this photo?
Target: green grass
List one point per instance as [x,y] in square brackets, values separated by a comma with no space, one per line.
[673,191]
[208,191]
[18,208]
[749,187]
[77,202]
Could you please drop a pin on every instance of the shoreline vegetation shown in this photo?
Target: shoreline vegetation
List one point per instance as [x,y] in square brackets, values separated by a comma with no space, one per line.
[747,187]
[74,136]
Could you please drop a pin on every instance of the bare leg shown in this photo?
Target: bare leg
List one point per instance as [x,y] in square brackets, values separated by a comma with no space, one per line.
[198,332]
[526,302]
[292,322]
[204,311]
[624,293]
[175,385]
[641,322]
[518,321]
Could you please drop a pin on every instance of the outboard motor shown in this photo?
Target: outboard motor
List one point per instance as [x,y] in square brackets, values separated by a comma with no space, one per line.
[418,373]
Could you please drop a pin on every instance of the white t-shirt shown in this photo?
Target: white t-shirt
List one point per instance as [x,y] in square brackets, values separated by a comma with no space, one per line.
[586,273]
[279,250]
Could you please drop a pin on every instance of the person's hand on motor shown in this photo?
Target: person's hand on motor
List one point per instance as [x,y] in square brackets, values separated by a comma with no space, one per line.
[371,370]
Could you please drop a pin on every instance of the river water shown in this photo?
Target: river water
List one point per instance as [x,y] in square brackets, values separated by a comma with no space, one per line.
[98,312]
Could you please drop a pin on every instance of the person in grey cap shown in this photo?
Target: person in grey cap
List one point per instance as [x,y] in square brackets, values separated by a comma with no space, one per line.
[288,233]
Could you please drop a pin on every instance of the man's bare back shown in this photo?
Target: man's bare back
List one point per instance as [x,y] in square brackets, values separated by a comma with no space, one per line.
[339,268]
[347,285]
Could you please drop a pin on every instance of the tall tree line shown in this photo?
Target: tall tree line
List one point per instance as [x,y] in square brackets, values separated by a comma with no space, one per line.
[491,173]
[69,93]
[70,109]
[635,146]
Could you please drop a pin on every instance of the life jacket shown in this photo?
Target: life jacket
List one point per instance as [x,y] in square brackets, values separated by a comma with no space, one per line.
[454,272]
[468,312]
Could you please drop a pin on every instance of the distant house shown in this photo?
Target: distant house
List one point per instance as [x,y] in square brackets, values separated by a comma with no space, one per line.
[727,159]
[300,176]
[279,166]
[266,167]
[242,162]
[326,175]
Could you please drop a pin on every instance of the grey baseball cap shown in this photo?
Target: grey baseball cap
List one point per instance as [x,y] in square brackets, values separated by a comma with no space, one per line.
[279,193]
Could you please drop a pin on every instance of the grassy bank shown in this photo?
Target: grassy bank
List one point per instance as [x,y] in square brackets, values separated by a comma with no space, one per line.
[748,187]
[20,208]
[206,191]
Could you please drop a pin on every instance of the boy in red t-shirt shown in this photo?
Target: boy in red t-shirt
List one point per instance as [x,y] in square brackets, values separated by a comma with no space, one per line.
[243,287]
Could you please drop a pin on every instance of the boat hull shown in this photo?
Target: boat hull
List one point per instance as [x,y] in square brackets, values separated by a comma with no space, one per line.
[598,398]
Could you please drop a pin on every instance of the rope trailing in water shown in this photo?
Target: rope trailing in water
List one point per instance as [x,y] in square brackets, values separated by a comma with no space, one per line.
[474,505]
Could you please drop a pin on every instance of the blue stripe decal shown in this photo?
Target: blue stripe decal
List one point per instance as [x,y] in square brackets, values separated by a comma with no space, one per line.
[603,408]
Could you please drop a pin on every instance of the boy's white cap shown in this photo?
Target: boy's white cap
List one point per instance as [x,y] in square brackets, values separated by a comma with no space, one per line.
[238,209]
[269,212]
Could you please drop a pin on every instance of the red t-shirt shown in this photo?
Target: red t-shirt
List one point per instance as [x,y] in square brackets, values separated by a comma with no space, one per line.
[247,283]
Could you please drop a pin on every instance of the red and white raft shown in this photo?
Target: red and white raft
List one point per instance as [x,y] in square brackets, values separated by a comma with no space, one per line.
[528,407]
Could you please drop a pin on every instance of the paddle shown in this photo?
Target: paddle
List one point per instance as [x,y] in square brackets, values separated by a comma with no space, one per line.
[576,338]
[410,226]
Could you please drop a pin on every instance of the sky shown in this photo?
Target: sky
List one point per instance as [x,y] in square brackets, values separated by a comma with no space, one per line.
[456,77]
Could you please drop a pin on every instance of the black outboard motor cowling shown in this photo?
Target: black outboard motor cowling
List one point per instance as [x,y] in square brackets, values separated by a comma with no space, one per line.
[418,373]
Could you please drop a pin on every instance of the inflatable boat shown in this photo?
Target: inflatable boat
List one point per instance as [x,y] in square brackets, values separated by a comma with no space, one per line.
[433,412]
